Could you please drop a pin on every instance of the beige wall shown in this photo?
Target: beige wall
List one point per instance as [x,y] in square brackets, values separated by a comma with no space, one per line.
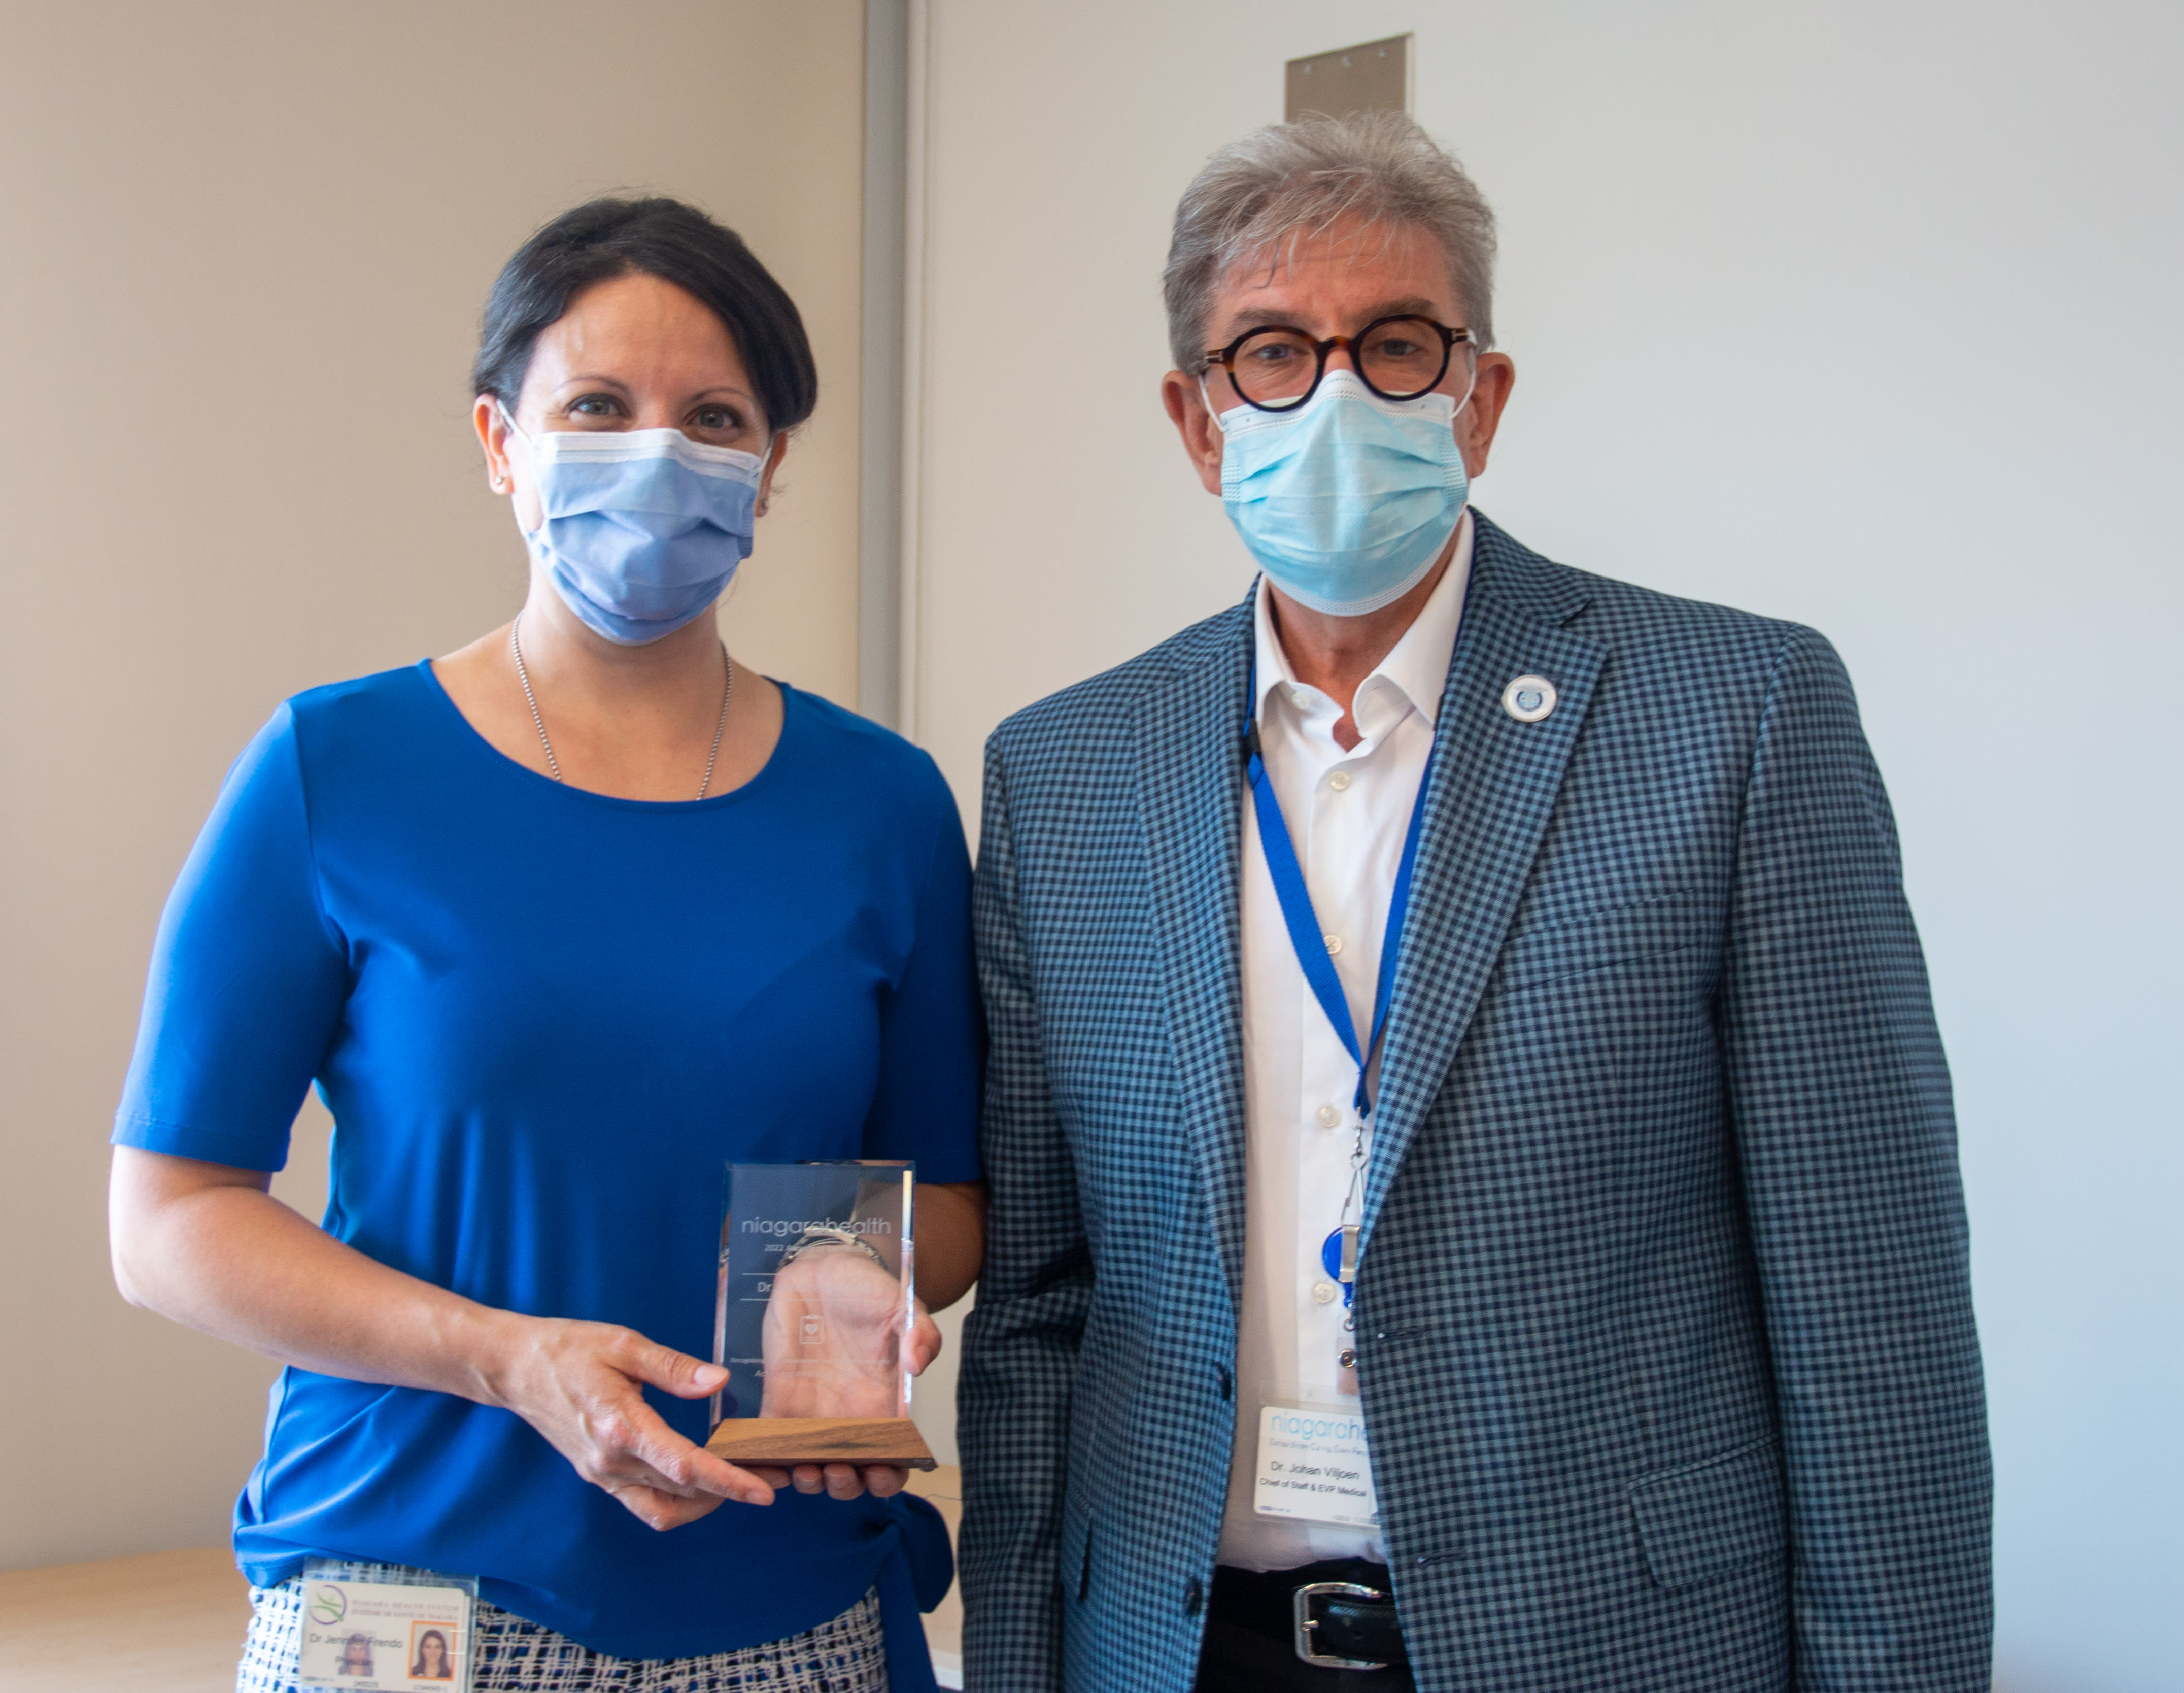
[243,253]
[1860,314]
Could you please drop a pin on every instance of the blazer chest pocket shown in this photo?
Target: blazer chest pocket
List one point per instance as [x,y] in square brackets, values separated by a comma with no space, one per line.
[1600,940]
[1702,1520]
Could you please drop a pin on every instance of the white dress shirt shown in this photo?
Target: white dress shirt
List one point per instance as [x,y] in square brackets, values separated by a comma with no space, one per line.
[1347,813]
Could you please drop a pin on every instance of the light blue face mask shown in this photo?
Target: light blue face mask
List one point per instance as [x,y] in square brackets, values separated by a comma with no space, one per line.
[1347,501]
[640,530]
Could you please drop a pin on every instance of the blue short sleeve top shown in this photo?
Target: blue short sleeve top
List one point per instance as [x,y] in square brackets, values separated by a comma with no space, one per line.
[544,1020]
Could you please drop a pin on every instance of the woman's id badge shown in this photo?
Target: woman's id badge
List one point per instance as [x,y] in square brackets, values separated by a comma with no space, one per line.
[1314,1468]
[374,1628]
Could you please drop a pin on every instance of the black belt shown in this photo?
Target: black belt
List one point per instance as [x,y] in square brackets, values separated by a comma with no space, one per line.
[1334,1623]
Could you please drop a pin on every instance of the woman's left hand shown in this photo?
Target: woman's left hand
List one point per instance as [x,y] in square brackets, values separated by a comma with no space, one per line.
[848,1481]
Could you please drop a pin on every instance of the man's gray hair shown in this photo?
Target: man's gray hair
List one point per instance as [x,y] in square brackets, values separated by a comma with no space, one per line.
[1259,194]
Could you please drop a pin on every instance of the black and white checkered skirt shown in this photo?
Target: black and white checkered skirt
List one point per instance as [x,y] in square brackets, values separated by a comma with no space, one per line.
[513,1655]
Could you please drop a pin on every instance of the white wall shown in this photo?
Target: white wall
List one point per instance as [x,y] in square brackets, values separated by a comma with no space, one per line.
[246,243]
[1863,314]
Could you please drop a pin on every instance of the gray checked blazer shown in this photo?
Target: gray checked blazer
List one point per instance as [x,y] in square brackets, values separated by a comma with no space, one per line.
[1665,1330]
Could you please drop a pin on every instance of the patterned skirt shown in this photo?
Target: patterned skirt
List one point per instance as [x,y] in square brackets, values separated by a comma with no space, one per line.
[515,1656]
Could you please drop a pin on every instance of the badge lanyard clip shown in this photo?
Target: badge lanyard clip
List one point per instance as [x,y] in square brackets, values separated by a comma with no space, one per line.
[1338,1255]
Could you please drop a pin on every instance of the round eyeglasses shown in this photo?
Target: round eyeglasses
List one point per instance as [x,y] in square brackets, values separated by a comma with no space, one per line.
[1277,368]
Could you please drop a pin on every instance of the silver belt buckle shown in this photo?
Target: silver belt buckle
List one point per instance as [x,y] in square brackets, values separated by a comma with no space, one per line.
[1306,1623]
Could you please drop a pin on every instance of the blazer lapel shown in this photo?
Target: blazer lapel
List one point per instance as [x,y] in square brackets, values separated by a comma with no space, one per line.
[1190,784]
[1494,782]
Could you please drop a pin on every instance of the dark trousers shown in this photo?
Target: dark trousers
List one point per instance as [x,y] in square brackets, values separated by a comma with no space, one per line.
[1250,1635]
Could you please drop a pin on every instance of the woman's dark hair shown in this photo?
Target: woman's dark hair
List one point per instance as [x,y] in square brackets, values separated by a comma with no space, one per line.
[603,239]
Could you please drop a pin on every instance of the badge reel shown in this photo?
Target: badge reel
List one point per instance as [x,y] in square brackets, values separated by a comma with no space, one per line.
[1337,1256]
[378,1628]
[1313,1464]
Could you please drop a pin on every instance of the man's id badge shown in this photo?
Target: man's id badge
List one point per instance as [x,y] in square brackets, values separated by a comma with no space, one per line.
[1313,1468]
[374,1628]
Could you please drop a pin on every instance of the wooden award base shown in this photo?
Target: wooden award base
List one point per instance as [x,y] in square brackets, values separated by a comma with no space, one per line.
[781,1442]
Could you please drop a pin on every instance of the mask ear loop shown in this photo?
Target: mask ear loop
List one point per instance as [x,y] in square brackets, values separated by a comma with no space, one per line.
[1206,400]
[1469,389]
[763,493]
[530,447]
[516,429]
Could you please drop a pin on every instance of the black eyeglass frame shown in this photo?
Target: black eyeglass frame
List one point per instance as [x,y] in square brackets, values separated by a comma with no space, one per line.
[1226,357]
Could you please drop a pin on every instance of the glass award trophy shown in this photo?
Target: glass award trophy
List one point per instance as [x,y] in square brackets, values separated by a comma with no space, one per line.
[813,1304]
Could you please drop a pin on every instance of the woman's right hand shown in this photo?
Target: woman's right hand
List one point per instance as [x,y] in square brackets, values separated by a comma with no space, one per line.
[580,1385]
[207,1245]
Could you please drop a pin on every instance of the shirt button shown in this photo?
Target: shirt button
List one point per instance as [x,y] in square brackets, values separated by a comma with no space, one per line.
[1334,944]
[1339,780]
[1328,1118]
[1322,1293]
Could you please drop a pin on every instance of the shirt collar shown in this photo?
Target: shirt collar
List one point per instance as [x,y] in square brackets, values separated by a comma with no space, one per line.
[1416,668]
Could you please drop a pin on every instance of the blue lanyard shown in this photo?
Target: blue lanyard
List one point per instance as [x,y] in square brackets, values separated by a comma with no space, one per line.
[1307,937]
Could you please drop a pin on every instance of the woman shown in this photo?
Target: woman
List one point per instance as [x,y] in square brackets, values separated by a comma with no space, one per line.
[561,923]
[431,1662]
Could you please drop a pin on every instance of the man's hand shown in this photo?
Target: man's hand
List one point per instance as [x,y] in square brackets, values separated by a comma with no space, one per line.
[848,1365]
[831,1342]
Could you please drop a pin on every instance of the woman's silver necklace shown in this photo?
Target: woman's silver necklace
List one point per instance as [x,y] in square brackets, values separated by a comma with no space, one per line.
[727,691]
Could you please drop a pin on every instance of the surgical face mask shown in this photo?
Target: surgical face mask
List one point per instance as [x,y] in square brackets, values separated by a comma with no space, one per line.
[1347,501]
[639,530]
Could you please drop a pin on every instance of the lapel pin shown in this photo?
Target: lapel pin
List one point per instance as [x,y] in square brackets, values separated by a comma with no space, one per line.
[1529,698]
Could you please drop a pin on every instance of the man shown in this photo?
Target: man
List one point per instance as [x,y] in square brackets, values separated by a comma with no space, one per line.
[1474,1193]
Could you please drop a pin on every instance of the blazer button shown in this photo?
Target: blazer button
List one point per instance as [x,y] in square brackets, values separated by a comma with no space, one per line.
[1194,1597]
